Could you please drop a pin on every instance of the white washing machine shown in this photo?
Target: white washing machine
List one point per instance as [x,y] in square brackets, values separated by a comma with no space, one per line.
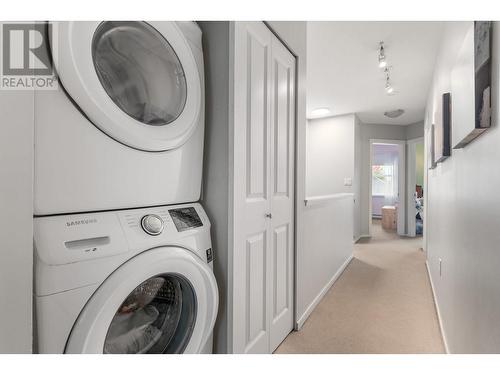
[131,281]
[125,127]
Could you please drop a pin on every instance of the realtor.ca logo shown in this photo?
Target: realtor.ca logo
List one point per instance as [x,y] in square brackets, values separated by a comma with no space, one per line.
[26,59]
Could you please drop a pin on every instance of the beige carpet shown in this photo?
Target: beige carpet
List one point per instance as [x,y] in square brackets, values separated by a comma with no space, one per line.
[382,303]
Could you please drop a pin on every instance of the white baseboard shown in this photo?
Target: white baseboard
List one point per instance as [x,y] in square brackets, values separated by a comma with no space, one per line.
[441,328]
[360,237]
[319,297]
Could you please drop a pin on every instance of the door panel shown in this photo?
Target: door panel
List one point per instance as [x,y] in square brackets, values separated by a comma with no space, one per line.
[282,85]
[280,272]
[264,123]
[251,254]
[256,303]
[282,205]
[257,121]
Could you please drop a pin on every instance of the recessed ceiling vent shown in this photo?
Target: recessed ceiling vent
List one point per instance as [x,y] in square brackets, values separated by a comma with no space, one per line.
[395,113]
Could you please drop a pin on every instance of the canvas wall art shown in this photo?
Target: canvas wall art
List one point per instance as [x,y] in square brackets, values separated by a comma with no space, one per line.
[471,85]
[442,129]
[431,164]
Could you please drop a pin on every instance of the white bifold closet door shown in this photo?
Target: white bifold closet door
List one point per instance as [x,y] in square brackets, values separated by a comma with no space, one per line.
[263,233]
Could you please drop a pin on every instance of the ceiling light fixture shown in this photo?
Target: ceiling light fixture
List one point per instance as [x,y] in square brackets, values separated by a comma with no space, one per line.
[320,112]
[382,62]
[395,113]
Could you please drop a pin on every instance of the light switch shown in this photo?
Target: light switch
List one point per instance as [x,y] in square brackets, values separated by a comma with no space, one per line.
[347,181]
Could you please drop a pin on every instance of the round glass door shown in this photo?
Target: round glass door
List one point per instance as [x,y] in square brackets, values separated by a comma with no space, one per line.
[140,71]
[156,317]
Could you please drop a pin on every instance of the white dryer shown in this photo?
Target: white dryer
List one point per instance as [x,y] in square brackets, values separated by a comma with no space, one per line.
[131,281]
[125,127]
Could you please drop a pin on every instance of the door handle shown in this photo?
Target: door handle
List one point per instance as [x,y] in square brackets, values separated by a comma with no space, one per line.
[269,215]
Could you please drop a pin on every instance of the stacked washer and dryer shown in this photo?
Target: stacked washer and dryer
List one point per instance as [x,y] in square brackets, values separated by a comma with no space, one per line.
[122,263]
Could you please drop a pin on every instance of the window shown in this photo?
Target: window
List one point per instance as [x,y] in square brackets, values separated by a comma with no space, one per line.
[383,180]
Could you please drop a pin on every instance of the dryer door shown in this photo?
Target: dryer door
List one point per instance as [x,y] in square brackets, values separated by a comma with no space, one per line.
[138,82]
[162,301]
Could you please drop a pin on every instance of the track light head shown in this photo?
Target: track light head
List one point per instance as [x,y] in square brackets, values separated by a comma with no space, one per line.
[382,62]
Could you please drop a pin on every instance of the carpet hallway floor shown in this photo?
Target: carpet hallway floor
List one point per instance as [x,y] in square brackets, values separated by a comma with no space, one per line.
[381,304]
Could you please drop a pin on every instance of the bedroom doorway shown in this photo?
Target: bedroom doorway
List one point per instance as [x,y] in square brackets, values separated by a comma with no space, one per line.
[387,185]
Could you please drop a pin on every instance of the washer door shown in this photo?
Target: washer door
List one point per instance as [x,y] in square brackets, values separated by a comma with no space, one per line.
[138,82]
[162,301]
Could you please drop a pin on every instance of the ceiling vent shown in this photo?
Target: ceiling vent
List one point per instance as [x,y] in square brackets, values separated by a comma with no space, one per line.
[395,113]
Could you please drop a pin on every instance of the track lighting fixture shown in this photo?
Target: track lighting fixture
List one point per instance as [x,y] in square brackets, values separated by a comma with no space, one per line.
[388,87]
[382,62]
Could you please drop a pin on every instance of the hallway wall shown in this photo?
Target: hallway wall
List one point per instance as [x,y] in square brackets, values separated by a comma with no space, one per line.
[334,153]
[463,216]
[329,224]
[330,155]
[16,221]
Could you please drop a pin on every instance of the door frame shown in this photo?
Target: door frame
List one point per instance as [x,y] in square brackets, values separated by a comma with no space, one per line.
[411,181]
[401,218]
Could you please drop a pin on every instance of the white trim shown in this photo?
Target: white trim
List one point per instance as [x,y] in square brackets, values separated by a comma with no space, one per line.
[441,328]
[319,297]
[411,172]
[360,237]
[322,198]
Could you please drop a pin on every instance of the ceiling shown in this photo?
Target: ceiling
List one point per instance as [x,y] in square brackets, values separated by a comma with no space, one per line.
[343,72]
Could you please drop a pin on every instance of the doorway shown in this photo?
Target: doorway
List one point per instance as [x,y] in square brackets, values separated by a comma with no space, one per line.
[387,185]
[415,187]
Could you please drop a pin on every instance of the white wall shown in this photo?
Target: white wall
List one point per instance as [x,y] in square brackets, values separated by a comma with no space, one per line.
[334,152]
[328,226]
[330,155]
[415,130]
[328,234]
[216,165]
[358,157]
[16,221]
[463,218]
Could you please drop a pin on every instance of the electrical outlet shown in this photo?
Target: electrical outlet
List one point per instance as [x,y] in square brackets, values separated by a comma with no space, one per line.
[440,267]
[347,181]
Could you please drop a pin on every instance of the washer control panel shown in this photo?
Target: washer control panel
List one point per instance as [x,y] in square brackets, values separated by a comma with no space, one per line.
[152,224]
[185,218]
